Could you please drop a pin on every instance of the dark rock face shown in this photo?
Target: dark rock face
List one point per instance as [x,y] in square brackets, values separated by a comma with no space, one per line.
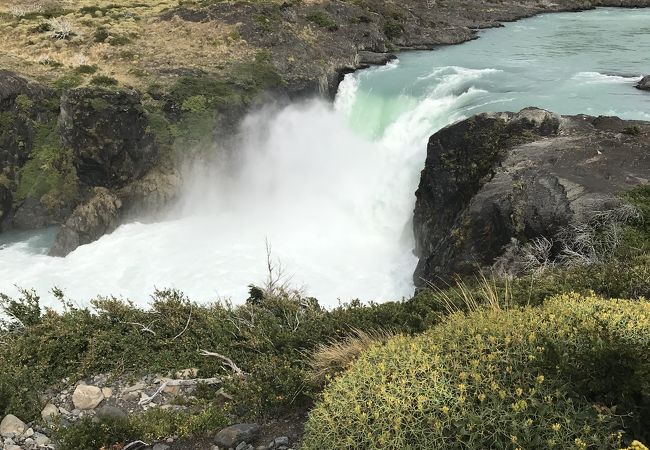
[24,106]
[644,84]
[88,222]
[495,178]
[107,132]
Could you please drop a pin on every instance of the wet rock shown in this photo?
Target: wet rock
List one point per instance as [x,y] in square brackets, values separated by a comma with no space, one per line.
[31,215]
[89,221]
[373,58]
[234,435]
[12,426]
[644,84]
[87,397]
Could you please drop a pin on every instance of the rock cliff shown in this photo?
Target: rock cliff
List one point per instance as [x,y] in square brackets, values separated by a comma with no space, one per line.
[499,180]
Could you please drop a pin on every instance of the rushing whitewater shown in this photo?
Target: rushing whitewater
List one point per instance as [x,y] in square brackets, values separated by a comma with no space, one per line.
[331,187]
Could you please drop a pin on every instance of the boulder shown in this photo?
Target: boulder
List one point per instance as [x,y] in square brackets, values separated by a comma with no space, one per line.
[87,397]
[88,222]
[107,132]
[497,179]
[234,435]
[12,426]
[644,84]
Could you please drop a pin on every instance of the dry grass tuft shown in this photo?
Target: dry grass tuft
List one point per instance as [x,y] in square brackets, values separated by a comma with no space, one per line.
[333,357]
[491,293]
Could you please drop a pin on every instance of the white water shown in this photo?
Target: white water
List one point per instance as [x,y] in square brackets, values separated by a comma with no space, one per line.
[331,187]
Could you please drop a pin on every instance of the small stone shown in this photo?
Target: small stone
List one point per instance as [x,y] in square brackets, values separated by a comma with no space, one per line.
[161,446]
[131,396]
[108,392]
[28,442]
[171,390]
[87,397]
[12,447]
[12,426]
[169,440]
[41,440]
[233,435]
[136,387]
[29,432]
[282,440]
[111,412]
[49,412]
[241,446]
[64,411]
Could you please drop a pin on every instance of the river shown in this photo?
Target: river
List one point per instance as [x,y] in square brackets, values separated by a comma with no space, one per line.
[331,186]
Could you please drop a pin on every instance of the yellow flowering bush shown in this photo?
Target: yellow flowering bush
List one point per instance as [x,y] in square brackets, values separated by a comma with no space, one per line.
[489,379]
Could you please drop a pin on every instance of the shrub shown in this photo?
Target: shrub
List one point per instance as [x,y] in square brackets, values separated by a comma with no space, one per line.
[496,379]
[85,69]
[323,20]
[103,80]
[634,130]
[393,29]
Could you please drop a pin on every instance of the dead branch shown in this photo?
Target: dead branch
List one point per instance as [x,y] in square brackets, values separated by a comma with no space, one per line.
[144,328]
[227,361]
[189,317]
[194,382]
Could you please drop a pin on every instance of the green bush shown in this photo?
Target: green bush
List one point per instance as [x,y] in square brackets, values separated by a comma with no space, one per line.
[323,20]
[523,378]
[103,80]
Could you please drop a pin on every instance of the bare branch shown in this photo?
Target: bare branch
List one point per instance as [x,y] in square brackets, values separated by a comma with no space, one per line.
[189,317]
[227,361]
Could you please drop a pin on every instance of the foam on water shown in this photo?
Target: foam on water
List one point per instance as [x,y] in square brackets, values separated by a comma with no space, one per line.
[331,187]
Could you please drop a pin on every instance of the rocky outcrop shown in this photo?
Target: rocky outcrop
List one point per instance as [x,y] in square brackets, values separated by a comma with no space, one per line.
[644,84]
[495,179]
[88,222]
[107,132]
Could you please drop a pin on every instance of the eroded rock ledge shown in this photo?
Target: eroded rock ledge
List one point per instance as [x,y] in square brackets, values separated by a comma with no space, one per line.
[500,179]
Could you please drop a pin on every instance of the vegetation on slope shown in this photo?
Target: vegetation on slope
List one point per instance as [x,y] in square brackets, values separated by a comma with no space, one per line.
[572,373]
